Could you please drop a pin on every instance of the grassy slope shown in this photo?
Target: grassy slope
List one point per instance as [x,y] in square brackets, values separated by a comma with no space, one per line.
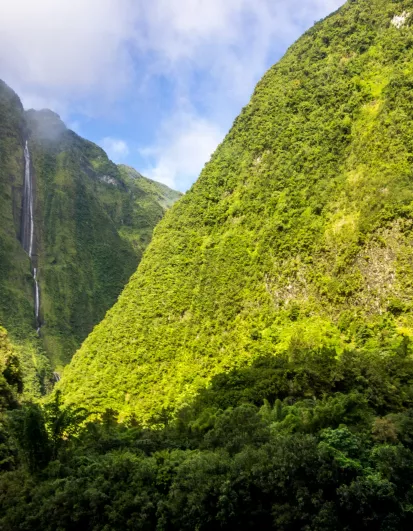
[298,232]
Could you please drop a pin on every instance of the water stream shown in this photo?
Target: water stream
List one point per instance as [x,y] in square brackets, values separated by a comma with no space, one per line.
[36,298]
[28,228]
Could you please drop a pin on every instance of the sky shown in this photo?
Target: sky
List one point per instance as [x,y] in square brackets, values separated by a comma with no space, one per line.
[156,83]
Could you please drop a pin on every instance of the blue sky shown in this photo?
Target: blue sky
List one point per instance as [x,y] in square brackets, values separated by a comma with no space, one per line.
[157,84]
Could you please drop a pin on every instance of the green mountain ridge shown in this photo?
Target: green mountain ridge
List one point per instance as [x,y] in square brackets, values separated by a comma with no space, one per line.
[163,194]
[91,226]
[297,235]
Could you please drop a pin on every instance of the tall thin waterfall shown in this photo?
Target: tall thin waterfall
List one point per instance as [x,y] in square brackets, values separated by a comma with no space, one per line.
[27,214]
[28,228]
[36,299]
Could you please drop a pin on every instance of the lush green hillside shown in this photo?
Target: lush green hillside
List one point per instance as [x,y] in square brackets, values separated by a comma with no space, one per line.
[82,260]
[95,224]
[16,307]
[298,233]
[91,225]
[283,278]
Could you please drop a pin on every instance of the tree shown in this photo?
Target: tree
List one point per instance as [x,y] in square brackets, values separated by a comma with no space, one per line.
[62,422]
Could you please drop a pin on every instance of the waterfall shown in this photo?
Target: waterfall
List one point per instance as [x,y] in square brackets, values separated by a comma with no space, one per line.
[27,214]
[27,230]
[36,298]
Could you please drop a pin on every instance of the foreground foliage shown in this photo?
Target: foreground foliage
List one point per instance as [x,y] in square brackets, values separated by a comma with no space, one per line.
[304,442]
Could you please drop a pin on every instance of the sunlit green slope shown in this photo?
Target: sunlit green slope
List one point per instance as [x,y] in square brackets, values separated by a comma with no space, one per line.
[297,234]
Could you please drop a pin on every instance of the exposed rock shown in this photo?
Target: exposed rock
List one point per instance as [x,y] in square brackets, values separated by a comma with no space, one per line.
[400,20]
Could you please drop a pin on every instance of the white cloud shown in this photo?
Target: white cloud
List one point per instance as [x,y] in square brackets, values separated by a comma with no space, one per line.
[231,39]
[116,148]
[178,29]
[67,49]
[184,145]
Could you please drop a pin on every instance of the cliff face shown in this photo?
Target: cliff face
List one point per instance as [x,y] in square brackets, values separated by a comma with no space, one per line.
[298,233]
[69,246]
[16,279]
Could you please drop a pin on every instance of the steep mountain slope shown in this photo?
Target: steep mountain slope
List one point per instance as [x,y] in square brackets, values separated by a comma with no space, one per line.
[86,225]
[83,262]
[298,233]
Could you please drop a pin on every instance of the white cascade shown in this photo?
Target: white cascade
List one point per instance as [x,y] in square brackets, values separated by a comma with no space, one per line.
[28,228]
[36,298]
[27,214]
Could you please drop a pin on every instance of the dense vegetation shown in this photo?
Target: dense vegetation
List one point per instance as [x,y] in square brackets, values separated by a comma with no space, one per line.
[298,233]
[15,287]
[306,441]
[146,206]
[92,222]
